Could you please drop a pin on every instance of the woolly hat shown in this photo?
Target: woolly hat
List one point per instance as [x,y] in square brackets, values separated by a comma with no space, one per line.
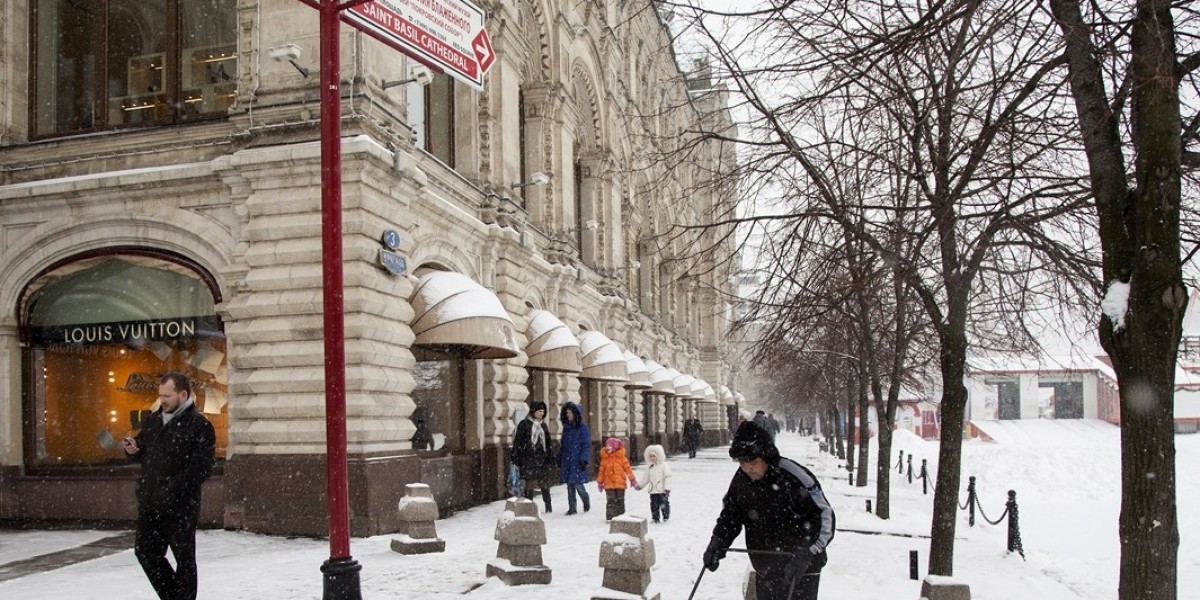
[613,444]
[752,441]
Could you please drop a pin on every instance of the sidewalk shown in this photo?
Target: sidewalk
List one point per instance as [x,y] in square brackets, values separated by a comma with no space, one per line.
[868,559]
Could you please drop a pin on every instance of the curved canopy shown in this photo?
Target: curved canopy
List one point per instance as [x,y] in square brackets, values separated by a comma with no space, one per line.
[739,398]
[550,344]
[683,385]
[639,373]
[602,359]
[661,380]
[702,391]
[726,396]
[455,315]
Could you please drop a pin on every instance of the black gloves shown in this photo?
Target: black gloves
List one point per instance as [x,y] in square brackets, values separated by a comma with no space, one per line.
[583,465]
[798,565]
[713,555]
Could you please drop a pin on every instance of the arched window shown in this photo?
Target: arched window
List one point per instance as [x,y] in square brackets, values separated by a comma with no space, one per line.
[99,333]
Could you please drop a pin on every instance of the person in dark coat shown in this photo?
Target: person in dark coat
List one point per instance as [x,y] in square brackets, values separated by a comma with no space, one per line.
[176,448]
[575,452]
[531,452]
[760,419]
[783,510]
[691,436]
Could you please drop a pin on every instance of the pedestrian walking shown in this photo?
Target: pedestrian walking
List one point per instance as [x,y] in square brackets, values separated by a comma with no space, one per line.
[656,479]
[614,471]
[692,430]
[574,455]
[176,448]
[531,452]
[782,508]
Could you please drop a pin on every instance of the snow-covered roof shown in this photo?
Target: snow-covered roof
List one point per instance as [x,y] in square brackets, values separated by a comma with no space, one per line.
[602,358]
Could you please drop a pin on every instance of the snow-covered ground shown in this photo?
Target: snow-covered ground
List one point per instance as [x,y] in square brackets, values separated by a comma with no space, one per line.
[1066,474]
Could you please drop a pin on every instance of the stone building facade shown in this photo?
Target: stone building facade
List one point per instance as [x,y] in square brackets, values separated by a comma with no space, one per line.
[160,210]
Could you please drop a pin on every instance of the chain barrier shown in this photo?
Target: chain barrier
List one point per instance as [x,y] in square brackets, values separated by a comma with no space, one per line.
[972,503]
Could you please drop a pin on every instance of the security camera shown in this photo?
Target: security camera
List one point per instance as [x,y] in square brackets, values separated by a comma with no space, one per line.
[285,52]
[420,74]
[591,225]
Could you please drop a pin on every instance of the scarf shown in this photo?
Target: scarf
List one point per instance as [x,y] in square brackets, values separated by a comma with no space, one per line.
[537,437]
[167,416]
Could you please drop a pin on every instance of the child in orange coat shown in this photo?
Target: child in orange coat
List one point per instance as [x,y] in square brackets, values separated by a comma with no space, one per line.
[614,472]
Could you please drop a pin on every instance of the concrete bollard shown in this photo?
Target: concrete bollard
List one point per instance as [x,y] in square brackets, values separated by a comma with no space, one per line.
[944,588]
[627,555]
[521,533]
[418,512]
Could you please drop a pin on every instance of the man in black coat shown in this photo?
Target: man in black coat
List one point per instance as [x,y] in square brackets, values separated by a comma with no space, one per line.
[176,448]
[787,518]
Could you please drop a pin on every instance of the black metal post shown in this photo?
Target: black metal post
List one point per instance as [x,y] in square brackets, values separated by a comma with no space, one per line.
[912,565]
[900,463]
[1014,528]
[971,500]
[910,468]
[924,477]
[850,474]
[869,505]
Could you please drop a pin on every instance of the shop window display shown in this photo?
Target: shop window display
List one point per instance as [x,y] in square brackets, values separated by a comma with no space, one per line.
[100,333]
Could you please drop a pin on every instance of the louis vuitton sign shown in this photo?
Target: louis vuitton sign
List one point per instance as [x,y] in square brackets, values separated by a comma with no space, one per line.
[131,333]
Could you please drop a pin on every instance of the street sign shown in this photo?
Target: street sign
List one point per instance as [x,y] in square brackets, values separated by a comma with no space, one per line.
[446,34]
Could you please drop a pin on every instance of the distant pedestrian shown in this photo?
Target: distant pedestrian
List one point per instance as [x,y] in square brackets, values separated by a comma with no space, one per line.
[531,452]
[574,455]
[692,430]
[656,479]
[764,423]
[781,506]
[176,448]
[614,471]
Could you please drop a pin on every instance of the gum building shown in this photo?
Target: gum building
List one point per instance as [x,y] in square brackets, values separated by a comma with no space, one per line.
[160,210]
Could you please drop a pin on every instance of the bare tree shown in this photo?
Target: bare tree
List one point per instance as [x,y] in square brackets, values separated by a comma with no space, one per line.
[1133,52]
[949,120]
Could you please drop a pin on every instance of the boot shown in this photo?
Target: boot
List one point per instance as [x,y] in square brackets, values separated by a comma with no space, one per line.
[546,500]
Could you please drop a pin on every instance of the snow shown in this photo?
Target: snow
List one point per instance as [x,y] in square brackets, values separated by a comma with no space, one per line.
[455,296]
[558,335]
[1066,475]
[1116,303]
[597,349]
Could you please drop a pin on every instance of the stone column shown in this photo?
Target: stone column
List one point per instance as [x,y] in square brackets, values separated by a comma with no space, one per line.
[521,533]
[627,555]
[418,512]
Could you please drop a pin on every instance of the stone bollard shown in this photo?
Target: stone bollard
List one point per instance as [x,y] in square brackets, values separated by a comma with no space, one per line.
[521,533]
[627,556]
[944,588]
[418,511]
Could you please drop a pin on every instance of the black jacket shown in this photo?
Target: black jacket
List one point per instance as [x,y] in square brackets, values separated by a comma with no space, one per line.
[176,459]
[533,461]
[784,511]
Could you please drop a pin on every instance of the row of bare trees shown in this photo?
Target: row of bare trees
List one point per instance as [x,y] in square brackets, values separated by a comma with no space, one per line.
[920,180]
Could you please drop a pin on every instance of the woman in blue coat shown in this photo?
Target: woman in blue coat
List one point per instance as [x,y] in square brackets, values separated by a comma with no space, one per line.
[575,452]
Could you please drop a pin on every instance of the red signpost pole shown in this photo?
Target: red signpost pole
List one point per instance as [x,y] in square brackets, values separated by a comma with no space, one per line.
[341,580]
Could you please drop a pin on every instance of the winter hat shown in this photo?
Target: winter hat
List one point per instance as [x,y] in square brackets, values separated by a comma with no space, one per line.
[574,408]
[613,444]
[752,441]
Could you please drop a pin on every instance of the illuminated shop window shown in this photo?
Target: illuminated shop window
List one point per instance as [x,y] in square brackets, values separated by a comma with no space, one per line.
[100,333]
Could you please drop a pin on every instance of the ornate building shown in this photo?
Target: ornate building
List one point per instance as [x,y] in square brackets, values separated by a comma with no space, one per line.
[160,210]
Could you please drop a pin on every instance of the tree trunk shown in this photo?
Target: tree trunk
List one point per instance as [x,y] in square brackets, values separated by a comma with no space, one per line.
[1139,233]
[864,436]
[945,497]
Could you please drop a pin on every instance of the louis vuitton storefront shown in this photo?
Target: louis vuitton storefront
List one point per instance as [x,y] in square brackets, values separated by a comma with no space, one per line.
[96,333]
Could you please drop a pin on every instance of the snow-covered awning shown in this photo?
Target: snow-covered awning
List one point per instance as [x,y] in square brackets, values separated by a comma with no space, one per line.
[639,373]
[455,315]
[602,358]
[683,386]
[739,398]
[661,380]
[726,396]
[550,344]
[702,391]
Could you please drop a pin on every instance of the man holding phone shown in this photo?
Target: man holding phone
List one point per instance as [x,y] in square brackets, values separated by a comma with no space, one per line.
[176,449]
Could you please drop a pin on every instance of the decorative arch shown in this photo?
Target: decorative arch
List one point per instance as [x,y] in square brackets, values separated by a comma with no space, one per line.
[583,90]
[536,32]
[442,255]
